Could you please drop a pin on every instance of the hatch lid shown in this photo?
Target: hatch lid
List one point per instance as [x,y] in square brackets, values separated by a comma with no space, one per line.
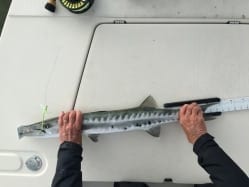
[171,62]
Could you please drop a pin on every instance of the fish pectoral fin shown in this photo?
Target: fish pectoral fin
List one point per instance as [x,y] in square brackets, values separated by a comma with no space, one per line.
[155,131]
[148,102]
[94,137]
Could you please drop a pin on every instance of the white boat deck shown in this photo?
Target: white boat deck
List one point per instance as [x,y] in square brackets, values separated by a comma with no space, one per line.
[43,56]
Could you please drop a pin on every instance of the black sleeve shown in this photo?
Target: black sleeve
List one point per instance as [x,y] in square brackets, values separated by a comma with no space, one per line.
[222,169]
[68,169]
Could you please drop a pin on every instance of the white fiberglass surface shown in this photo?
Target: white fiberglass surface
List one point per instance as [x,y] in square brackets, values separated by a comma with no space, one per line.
[171,62]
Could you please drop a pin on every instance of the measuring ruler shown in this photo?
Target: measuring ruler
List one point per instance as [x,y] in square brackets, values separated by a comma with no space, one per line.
[215,105]
[229,105]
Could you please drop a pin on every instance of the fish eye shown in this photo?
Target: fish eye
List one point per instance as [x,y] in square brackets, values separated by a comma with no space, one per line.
[46,125]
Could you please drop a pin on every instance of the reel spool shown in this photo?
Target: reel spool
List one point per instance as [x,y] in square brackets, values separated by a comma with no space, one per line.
[77,6]
[74,6]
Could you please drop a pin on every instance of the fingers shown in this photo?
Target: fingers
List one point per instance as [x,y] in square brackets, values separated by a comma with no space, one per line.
[60,121]
[190,109]
[196,110]
[79,119]
[72,116]
[70,125]
[200,113]
[66,118]
[183,110]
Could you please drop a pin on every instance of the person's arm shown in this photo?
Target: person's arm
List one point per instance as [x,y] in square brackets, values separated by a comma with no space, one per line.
[223,171]
[68,169]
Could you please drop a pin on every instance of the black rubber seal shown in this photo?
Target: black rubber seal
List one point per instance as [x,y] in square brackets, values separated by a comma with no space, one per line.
[198,101]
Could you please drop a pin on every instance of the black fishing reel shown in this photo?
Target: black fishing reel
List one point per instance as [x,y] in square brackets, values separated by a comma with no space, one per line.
[74,6]
[77,6]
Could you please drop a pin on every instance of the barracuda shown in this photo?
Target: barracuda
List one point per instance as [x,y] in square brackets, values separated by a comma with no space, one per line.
[145,117]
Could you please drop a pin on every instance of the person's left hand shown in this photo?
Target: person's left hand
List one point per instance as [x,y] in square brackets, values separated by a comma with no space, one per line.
[70,126]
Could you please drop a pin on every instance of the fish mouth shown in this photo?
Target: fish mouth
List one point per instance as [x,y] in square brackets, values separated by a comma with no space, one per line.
[37,129]
[31,130]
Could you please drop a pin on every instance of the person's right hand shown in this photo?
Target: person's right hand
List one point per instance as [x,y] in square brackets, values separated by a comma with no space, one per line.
[192,121]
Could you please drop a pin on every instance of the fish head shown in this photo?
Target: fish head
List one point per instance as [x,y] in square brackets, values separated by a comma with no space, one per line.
[40,129]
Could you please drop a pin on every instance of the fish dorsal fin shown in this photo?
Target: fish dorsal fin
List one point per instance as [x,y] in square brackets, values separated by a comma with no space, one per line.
[155,131]
[149,102]
[94,137]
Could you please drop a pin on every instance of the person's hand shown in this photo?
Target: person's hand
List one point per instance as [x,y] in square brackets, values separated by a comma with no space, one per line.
[70,125]
[192,121]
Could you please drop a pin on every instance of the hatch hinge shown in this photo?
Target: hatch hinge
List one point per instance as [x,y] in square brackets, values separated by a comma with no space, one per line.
[233,22]
[119,22]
